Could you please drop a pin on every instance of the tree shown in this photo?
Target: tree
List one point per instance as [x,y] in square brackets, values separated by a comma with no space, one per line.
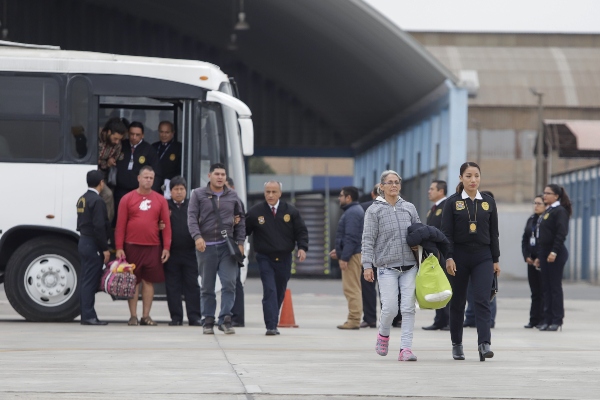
[258,165]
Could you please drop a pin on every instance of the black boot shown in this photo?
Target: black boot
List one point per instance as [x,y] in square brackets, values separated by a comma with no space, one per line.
[485,351]
[209,325]
[457,351]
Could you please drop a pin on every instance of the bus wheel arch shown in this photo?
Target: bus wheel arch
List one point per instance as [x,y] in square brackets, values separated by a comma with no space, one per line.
[41,279]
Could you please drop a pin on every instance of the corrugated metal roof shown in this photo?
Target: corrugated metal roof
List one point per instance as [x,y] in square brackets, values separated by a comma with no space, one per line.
[568,77]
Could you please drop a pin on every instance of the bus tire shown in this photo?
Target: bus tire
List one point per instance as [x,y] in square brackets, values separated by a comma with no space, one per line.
[41,280]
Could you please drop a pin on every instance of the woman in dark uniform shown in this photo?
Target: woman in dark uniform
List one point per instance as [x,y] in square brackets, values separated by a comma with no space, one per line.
[551,232]
[470,222]
[528,247]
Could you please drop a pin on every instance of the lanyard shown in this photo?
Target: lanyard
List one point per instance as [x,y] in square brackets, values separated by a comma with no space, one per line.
[539,222]
[469,212]
[163,153]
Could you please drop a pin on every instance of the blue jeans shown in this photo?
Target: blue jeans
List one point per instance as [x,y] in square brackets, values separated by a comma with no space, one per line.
[392,282]
[217,260]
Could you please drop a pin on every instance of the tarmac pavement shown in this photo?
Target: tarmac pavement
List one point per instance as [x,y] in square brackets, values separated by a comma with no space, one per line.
[314,361]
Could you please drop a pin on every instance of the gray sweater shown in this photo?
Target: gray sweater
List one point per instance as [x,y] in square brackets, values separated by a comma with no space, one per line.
[202,220]
[384,234]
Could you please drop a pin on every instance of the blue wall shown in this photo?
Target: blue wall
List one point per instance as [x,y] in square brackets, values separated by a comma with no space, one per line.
[441,123]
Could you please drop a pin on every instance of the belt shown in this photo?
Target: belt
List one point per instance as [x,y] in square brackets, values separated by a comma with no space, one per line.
[404,268]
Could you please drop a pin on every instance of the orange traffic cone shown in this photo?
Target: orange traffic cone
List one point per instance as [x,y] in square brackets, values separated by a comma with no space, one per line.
[287,320]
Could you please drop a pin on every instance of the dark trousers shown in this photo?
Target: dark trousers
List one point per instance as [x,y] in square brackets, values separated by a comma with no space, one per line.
[369,298]
[442,316]
[536,313]
[274,276]
[478,267]
[237,312]
[181,277]
[470,312]
[92,261]
[552,273]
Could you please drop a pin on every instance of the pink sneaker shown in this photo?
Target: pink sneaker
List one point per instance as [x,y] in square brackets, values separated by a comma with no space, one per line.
[382,345]
[407,355]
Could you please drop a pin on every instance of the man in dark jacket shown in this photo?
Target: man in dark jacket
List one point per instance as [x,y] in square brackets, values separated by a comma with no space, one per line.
[347,250]
[93,225]
[168,150]
[278,228]
[181,270]
[214,256]
[369,290]
[135,153]
[437,194]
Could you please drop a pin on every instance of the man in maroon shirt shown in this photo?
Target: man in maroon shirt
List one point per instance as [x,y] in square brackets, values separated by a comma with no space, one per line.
[137,238]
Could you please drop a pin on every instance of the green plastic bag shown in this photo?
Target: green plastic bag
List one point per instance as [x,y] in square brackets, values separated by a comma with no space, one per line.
[433,289]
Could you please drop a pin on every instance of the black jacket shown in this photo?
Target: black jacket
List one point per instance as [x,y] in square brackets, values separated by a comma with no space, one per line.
[279,234]
[526,248]
[144,154]
[348,237]
[181,240]
[169,159]
[455,223]
[92,219]
[434,216]
[430,238]
[554,229]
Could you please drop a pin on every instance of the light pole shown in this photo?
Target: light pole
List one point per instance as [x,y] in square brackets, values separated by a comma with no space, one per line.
[540,178]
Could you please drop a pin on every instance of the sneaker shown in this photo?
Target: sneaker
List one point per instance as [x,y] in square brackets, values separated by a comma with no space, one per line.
[226,326]
[381,347]
[406,355]
[209,323]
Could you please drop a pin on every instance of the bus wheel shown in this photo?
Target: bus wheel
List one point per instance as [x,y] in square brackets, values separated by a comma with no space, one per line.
[41,280]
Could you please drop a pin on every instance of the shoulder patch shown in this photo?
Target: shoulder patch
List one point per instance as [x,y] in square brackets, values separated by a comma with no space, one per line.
[460,205]
[438,212]
[287,218]
[485,205]
[546,216]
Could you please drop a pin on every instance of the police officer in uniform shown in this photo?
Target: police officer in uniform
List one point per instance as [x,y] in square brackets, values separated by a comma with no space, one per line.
[135,153]
[470,222]
[93,225]
[551,232]
[168,150]
[437,194]
[278,228]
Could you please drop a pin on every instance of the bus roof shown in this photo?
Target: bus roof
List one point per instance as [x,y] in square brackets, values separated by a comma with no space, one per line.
[20,57]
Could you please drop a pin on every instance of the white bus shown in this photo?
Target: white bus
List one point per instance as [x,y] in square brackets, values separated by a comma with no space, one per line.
[46,94]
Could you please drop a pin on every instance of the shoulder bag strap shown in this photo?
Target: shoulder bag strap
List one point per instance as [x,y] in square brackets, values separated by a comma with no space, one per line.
[219,220]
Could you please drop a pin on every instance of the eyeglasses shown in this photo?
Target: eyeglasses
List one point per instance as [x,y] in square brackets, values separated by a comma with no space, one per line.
[538,203]
[392,183]
[550,193]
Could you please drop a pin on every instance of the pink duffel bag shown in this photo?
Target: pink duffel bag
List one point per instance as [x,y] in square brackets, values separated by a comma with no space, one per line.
[120,285]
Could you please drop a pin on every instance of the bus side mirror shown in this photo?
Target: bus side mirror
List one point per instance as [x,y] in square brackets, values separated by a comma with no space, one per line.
[247,133]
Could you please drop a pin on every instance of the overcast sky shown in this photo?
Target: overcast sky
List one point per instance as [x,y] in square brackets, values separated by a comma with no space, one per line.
[572,16]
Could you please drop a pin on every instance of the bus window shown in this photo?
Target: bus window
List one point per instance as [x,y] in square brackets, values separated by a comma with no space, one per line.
[80,109]
[29,119]
[211,148]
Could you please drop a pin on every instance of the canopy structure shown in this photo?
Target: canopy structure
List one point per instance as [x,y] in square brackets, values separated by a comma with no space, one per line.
[574,138]
[319,76]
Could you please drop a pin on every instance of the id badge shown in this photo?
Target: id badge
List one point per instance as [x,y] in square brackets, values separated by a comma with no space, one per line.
[532,241]
[130,166]
[472,227]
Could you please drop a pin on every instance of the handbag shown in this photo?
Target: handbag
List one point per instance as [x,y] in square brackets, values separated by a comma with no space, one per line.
[120,285]
[494,287]
[432,288]
[234,250]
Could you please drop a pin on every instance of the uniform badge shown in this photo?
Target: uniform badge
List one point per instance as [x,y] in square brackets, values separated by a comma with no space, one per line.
[546,216]
[261,220]
[460,205]
[485,206]
[142,159]
[428,212]
[172,157]
[287,218]
[438,213]
[81,205]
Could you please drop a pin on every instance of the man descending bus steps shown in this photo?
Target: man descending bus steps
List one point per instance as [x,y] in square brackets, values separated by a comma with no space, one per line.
[137,239]
[135,154]
[214,256]
[169,155]
[93,225]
